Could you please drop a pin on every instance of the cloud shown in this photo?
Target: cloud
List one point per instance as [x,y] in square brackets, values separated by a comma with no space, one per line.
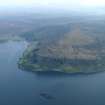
[66,4]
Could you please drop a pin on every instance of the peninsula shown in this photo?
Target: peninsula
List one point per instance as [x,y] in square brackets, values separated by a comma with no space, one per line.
[74,52]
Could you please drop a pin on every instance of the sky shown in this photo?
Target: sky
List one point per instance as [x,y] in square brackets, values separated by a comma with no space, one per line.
[61,4]
[64,3]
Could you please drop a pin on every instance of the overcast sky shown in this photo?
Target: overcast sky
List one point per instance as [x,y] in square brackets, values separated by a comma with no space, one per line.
[63,4]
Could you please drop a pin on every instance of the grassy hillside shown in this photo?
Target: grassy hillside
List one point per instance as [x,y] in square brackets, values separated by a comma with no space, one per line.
[72,52]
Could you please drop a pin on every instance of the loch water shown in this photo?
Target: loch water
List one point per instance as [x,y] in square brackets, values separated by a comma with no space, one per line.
[18,87]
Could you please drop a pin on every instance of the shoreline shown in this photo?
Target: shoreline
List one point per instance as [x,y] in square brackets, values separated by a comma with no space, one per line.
[62,73]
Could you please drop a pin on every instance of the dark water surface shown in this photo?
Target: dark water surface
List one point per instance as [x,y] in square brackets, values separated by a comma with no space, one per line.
[19,87]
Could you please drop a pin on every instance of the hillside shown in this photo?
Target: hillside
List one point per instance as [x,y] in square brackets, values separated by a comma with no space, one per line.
[72,53]
[70,46]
